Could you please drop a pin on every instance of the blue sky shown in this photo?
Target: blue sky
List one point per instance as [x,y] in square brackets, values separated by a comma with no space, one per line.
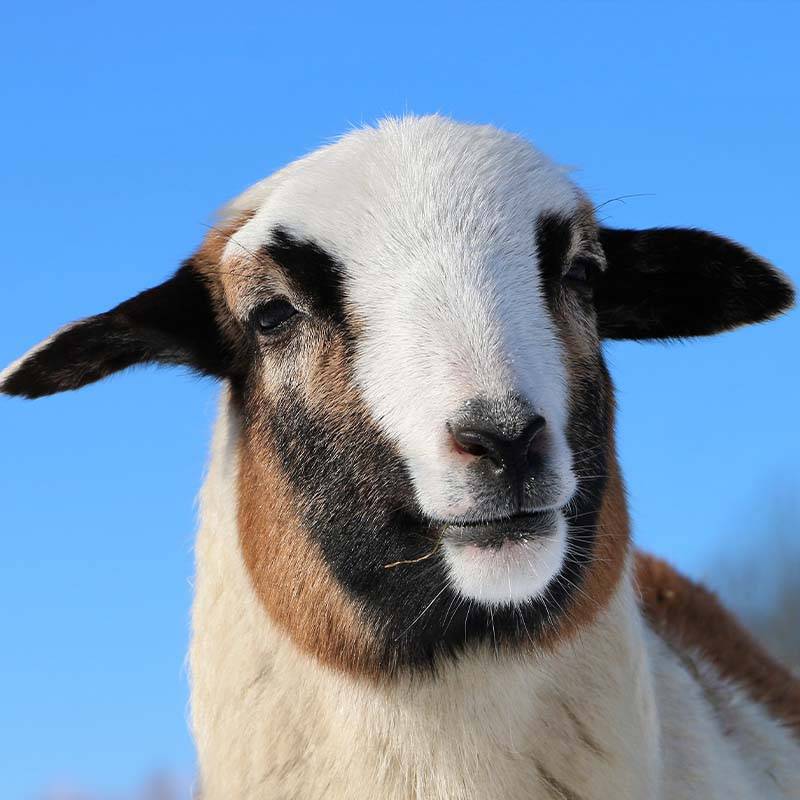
[126,124]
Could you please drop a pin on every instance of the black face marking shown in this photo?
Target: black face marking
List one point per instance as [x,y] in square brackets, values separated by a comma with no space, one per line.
[672,282]
[174,323]
[355,498]
[553,242]
[561,263]
[314,274]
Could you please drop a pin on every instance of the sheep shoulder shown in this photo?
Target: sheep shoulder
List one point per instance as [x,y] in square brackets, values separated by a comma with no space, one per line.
[693,622]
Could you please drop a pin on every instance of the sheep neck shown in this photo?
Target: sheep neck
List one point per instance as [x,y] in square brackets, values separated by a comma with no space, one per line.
[270,721]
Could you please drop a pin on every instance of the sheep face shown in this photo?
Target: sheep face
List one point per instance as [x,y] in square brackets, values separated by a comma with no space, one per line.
[426,373]
[410,323]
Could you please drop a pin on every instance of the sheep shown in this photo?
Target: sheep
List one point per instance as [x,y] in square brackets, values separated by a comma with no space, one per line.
[415,576]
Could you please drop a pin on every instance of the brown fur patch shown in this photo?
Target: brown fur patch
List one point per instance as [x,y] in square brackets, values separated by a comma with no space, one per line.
[612,539]
[207,261]
[330,387]
[689,616]
[208,258]
[289,574]
[607,560]
[287,570]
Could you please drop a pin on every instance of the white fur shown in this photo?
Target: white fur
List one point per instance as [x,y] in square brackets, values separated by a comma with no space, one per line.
[270,722]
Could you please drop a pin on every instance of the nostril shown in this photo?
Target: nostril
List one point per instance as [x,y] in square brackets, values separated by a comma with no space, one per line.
[470,441]
[514,454]
[530,437]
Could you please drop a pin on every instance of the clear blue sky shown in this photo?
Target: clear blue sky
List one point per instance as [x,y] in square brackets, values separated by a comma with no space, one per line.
[126,124]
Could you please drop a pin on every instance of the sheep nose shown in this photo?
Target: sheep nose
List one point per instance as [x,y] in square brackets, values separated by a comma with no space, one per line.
[513,455]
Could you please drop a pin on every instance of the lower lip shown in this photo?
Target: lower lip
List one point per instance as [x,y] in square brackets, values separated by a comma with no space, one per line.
[503,534]
[507,562]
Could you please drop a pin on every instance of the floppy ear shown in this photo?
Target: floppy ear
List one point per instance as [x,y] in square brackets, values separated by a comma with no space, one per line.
[173,323]
[671,282]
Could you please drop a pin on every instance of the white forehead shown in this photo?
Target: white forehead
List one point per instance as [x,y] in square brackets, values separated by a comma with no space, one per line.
[415,188]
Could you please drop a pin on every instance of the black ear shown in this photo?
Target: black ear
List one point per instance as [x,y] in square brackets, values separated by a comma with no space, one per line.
[173,323]
[671,282]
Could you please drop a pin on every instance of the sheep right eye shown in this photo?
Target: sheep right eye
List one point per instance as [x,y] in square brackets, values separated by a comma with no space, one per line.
[273,315]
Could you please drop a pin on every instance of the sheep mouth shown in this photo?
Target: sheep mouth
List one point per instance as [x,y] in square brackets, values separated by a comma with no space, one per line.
[493,534]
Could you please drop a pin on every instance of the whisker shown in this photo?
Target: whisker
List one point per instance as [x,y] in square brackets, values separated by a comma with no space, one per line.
[423,612]
[456,609]
[622,198]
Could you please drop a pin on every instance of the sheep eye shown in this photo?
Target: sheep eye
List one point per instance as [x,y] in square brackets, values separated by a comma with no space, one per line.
[272,315]
[580,274]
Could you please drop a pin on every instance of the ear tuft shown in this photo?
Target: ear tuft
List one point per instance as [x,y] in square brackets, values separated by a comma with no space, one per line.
[174,323]
[666,283]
